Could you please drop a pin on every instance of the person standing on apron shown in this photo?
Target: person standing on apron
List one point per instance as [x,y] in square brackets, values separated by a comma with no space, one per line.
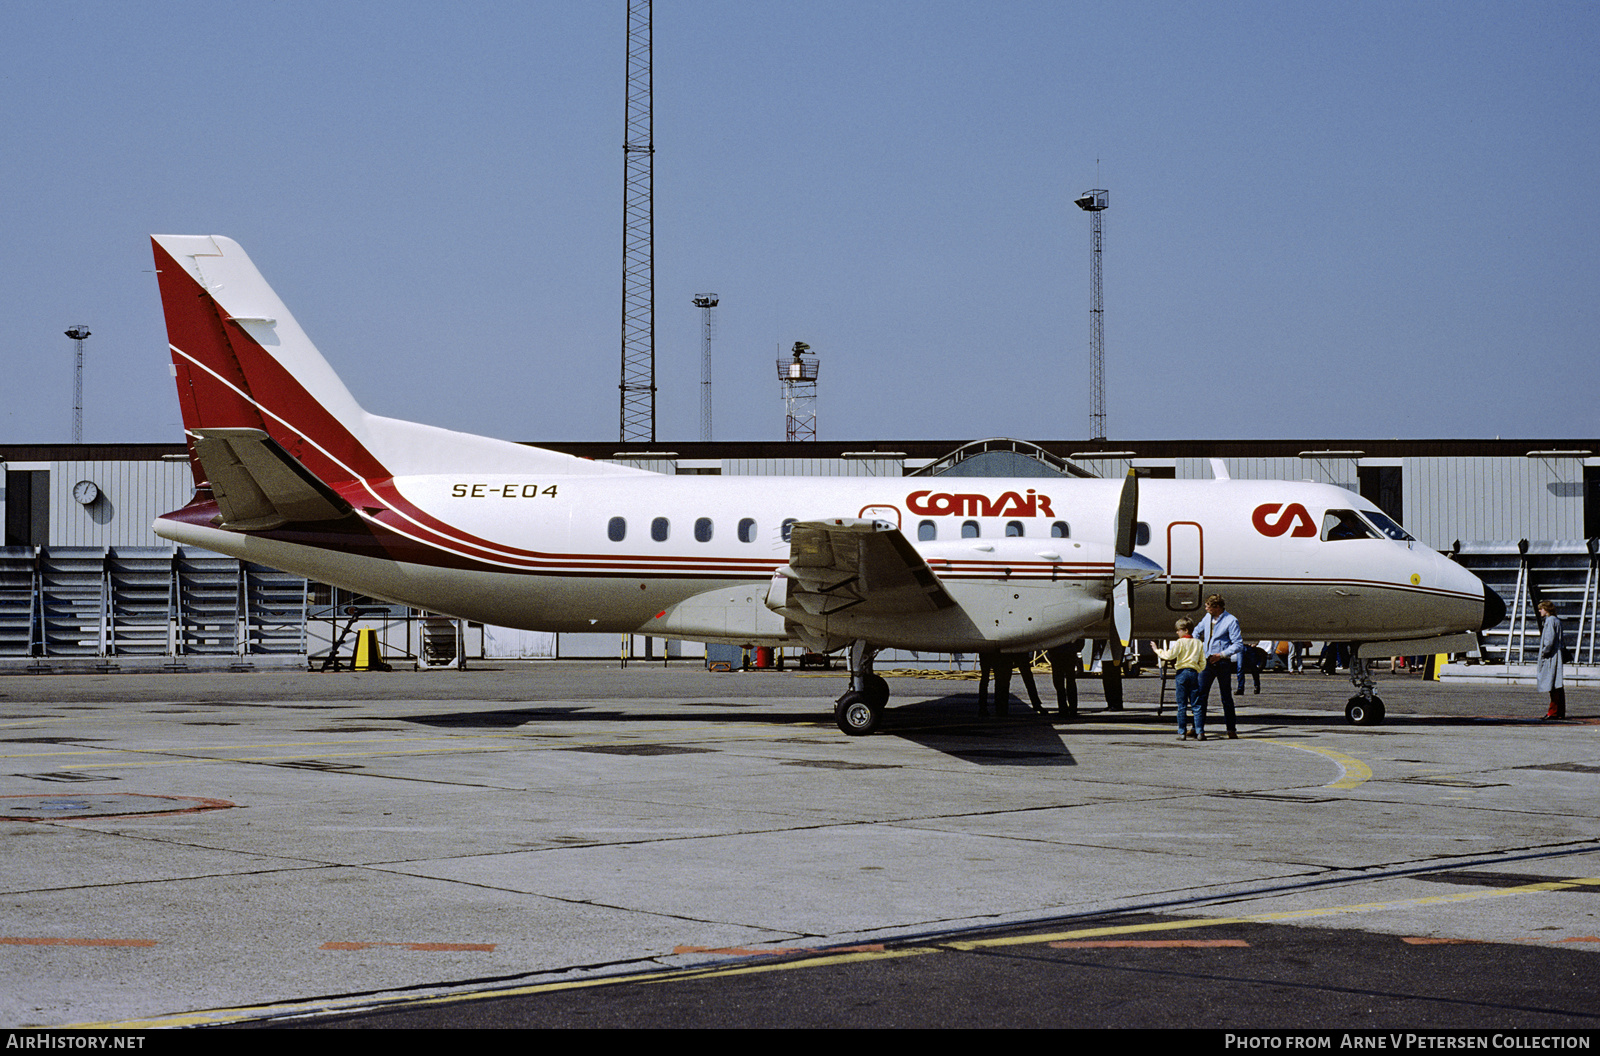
[1550,661]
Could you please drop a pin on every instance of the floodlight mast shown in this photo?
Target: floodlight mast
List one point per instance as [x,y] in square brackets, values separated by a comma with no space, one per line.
[78,333]
[707,303]
[1094,203]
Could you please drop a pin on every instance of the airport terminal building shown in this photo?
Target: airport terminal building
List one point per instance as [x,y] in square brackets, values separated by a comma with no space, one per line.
[86,584]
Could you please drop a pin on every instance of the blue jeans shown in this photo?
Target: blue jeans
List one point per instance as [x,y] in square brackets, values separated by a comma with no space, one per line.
[1186,683]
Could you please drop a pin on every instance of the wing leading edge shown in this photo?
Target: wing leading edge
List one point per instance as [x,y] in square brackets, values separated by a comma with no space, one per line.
[863,566]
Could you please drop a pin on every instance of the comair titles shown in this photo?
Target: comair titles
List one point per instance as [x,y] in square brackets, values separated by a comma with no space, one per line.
[1010,504]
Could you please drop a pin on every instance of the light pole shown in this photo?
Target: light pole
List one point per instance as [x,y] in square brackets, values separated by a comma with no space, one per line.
[78,334]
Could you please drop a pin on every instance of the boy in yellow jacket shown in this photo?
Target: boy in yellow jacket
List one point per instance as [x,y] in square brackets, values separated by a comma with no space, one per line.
[1188,658]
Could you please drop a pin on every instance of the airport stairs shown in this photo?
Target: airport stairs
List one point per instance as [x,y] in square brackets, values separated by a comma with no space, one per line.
[208,603]
[441,642]
[140,582]
[17,593]
[72,600]
[274,610]
[1564,572]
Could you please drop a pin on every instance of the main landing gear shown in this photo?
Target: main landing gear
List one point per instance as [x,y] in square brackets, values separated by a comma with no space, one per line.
[1365,708]
[860,710]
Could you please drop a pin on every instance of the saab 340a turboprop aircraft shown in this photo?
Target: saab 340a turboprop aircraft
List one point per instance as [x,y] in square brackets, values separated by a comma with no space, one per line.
[291,472]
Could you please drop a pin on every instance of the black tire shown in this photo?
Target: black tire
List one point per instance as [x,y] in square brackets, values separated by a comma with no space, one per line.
[1363,712]
[856,716]
[877,691]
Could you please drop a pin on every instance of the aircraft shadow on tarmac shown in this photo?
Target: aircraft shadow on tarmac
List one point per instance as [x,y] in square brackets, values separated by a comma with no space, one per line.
[949,723]
[946,724]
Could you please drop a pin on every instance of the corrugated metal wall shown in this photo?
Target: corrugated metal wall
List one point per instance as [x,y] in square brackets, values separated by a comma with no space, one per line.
[812,467]
[1492,498]
[132,495]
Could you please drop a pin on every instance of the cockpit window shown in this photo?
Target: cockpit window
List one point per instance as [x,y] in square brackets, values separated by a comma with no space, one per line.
[1388,527]
[1344,524]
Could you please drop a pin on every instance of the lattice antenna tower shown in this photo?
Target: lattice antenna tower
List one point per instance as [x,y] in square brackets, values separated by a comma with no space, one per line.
[1094,203]
[638,388]
[707,303]
[78,334]
[799,378]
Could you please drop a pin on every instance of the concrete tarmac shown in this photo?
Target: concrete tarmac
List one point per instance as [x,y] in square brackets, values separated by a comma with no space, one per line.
[215,848]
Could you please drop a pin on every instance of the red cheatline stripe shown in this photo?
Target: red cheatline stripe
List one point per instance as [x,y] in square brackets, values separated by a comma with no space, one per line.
[1150,944]
[75,942]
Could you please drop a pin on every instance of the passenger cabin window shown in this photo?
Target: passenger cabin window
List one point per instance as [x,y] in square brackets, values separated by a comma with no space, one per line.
[747,530]
[659,529]
[1013,529]
[1344,524]
[1141,533]
[787,528]
[969,529]
[702,530]
[617,529]
[1059,530]
[927,531]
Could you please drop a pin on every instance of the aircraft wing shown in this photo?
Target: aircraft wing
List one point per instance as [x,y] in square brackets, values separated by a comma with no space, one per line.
[863,566]
[258,485]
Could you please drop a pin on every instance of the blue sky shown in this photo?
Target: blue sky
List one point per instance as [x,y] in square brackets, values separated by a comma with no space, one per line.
[1357,220]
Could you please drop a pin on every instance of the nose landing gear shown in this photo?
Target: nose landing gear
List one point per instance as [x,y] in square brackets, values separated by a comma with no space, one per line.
[1365,708]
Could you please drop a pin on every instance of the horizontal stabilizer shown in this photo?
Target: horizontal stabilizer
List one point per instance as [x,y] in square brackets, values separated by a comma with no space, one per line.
[258,485]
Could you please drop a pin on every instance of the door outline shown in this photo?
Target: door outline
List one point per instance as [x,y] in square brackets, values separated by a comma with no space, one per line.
[1186,565]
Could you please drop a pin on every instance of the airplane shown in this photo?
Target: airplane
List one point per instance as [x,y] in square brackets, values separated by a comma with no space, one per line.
[291,472]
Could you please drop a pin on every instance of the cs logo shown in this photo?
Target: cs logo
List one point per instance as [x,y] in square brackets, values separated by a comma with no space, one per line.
[1294,519]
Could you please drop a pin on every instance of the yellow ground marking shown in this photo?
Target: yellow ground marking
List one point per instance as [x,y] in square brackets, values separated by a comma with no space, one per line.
[234,1015]
[853,956]
[504,741]
[1278,917]
[1354,771]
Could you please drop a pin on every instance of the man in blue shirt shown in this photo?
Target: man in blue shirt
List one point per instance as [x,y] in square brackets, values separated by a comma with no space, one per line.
[1223,639]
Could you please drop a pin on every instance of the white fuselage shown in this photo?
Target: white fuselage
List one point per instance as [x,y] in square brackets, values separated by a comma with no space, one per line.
[694,557]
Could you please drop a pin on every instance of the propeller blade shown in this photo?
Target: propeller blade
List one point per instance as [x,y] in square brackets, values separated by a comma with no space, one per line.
[1130,568]
[1122,614]
[1127,514]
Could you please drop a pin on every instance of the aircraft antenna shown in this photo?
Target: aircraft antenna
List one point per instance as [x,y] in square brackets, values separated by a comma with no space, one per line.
[78,333]
[707,303]
[638,414]
[799,377]
[1094,203]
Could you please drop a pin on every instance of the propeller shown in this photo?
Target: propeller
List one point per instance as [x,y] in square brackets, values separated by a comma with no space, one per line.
[1130,568]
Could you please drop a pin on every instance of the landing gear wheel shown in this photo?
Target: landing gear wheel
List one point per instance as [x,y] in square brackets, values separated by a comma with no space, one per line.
[1363,712]
[856,714]
[877,691]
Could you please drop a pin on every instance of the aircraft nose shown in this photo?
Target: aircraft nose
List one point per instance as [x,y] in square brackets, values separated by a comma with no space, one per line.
[1494,608]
